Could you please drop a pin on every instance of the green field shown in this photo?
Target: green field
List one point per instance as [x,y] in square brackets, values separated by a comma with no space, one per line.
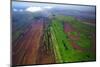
[64,52]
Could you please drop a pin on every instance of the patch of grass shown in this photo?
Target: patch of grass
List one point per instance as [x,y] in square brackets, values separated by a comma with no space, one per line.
[60,37]
[84,41]
[76,23]
[55,47]
[63,49]
[85,30]
[73,33]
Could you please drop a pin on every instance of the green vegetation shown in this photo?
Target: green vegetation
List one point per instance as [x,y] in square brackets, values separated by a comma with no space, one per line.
[79,25]
[85,30]
[64,52]
[73,33]
[62,44]
[84,41]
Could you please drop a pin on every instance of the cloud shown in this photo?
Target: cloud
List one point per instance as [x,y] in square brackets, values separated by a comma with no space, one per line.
[15,10]
[18,10]
[21,10]
[33,9]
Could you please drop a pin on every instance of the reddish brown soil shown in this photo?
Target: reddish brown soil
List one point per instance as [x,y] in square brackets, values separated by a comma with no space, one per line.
[30,48]
[68,28]
[45,53]
[45,57]
[75,46]
[25,51]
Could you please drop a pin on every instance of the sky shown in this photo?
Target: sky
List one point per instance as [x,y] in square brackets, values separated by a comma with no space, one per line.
[29,6]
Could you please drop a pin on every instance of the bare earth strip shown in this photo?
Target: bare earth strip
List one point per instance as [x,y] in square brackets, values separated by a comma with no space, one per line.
[25,51]
[45,53]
